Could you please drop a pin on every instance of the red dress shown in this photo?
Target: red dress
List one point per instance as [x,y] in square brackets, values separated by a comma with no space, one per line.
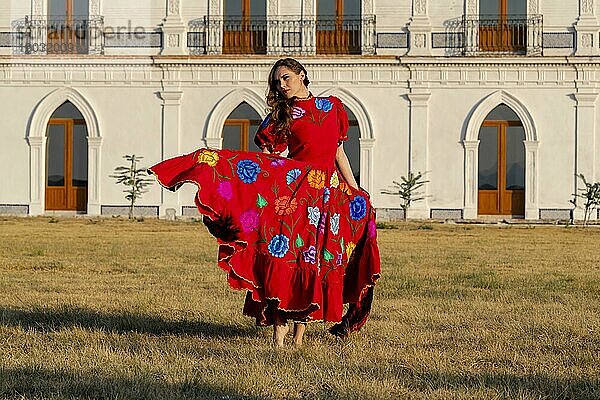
[291,231]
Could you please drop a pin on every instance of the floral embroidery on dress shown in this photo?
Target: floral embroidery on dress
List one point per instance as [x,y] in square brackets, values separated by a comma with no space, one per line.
[208,157]
[358,207]
[249,220]
[322,222]
[225,190]
[334,223]
[277,162]
[247,171]
[316,179]
[292,175]
[349,249]
[326,194]
[285,205]
[314,215]
[334,181]
[297,112]
[279,245]
[323,104]
[310,255]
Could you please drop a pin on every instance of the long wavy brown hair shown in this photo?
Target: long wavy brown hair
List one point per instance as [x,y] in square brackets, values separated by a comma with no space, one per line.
[280,107]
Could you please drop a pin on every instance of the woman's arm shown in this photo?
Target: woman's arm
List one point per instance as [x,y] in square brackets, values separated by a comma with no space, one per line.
[344,166]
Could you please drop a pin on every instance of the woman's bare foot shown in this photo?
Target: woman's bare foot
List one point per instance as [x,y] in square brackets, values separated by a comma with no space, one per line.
[299,329]
[279,332]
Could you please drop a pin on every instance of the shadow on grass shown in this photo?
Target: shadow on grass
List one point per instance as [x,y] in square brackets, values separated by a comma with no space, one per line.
[35,382]
[515,386]
[51,319]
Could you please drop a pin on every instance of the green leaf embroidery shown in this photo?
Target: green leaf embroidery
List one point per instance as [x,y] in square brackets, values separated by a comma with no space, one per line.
[342,245]
[299,241]
[327,255]
[261,202]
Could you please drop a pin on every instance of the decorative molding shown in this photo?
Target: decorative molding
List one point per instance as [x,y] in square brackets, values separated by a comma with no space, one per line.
[133,39]
[586,7]
[273,7]
[367,7]
[559,40]
[419,7]
[94,7]
[173,7]
[36,137]
[392,40]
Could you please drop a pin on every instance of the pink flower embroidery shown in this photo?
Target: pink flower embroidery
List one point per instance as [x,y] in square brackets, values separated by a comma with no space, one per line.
[224,189]
[297,112]
[249,220]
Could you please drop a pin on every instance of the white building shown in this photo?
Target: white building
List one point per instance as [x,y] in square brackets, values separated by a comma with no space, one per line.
[494,99]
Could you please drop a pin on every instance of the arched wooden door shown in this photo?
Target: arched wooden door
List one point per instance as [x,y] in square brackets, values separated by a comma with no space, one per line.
[67,160]
[501,164]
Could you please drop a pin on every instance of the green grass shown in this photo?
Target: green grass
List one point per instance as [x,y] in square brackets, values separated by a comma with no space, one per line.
[109,308]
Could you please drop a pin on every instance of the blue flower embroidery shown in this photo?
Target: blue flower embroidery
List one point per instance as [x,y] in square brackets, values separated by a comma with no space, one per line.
[279,245]
[292,175]
[314,215]
[358,207]
[247,171]
[326,193]
[310,255]
[323,104]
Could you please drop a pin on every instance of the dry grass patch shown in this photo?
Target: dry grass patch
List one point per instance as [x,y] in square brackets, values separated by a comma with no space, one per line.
[109,308]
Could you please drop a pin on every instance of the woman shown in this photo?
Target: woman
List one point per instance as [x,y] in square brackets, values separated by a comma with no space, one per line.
[296,233]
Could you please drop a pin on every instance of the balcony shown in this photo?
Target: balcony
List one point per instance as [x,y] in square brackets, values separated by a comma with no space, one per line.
[282,35]
[44,35]
[503,35]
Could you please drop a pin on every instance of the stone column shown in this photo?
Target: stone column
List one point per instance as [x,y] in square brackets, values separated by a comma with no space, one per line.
[37,164]
[94,177]
[418,141]
[586,29]
[171,135]
[174,30]
[532,210]
[471,178]
[419,29]
[585,142]
[366,163]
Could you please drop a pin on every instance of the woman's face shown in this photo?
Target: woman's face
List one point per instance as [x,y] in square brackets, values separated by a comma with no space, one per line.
[289,83]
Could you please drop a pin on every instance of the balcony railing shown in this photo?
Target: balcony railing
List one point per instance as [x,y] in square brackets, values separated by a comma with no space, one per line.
[497,35]
[48,35]
[282,35]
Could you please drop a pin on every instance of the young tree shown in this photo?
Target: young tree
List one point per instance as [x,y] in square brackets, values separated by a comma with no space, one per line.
[408,190]
[135,179]
[590,194]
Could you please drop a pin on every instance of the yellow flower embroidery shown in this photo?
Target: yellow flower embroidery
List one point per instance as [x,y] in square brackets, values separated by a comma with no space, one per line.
[316,179]
[334,181]
[208,157]
[349,249]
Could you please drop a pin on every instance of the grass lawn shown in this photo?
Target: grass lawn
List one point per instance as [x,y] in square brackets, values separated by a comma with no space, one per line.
[117,309]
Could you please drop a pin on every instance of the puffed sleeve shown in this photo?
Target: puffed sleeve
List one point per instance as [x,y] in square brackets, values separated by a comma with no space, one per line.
[266,138]
[342,118]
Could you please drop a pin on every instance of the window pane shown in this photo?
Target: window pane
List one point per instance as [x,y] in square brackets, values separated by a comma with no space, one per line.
[56,155]
[232,137]
[515,158]
[502,113]
[233,8]
[351,7]
[489,7]
[252,132]
[516,7]
[67,110]
[81,8]
[326,8]
[488,158]
[57,8]
[80,155]
[258,8]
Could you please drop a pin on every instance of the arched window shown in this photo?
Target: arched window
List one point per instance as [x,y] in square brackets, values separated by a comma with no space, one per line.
[240,128]
[501,164]
[67,160]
